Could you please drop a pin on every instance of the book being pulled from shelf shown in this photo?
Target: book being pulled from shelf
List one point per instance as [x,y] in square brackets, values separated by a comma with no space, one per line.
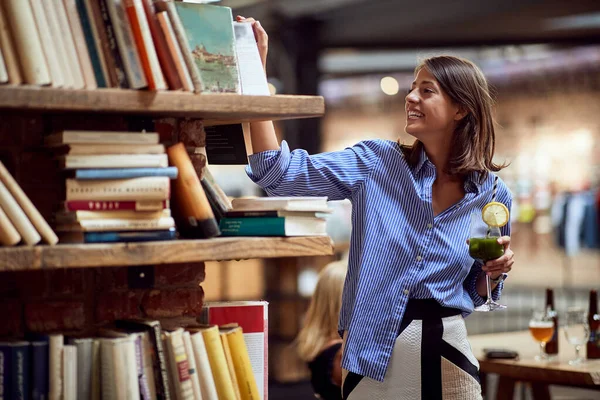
[154,44]
[116,196]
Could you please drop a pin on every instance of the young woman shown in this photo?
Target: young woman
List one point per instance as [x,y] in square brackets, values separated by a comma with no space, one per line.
[319,343]
[410,278]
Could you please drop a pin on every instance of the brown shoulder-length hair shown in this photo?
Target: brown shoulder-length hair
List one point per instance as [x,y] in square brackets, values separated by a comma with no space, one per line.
[474,140]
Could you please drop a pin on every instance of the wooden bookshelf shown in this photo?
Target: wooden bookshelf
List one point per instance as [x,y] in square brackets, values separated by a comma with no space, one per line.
[150,253]
[215,109]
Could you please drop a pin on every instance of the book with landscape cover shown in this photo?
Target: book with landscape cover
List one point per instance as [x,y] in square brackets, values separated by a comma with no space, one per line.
[209,32]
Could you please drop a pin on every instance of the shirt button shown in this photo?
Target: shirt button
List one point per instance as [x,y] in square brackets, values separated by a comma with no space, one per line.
[429,226]
[406,292]
[419,258]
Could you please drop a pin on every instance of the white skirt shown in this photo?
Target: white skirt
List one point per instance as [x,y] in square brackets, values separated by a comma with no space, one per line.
[431,360]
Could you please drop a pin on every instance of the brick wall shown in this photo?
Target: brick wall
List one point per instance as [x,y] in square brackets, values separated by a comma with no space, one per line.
[75,300]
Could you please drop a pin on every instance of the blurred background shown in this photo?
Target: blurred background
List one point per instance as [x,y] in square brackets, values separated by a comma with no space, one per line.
[542,58]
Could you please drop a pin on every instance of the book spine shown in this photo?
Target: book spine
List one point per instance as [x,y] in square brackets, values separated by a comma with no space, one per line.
[17,217]
[175,51]
[27,42]
[84,367]
[50,52]
[3,71]
[207,382]
[193,369]
[87,26]
[166,61]
[122,79]
[242,365]
[116,161]
[9,52]
[145,45]
[106,149]
[55,356]
[81,48]
[101,138]
[9,236]
[95,389]
[59,42]
[70,48]
[92,205]
[228,359]
[106,225]
[39,370]
[126,44]
[218,364]
[69,371]
[180,365]
[101,41]
[197,216]
[183,44]
[125,173]
[139,362]
[147,188]
[132,380]
[19,368]
[5,370]
[30,210]
[252,226]
[75,216]
[122,237]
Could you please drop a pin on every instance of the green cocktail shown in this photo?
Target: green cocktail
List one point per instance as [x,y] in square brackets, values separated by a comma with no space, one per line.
[485,249]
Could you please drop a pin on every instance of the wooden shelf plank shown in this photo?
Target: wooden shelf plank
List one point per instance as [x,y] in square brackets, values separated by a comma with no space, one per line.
[149,253]
[215,109]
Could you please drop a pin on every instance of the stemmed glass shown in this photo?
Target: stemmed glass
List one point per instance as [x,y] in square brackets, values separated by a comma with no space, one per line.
[484,246]
[577,331]
[541,327]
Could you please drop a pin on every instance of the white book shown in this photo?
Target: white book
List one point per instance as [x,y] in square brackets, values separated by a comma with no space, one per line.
[59,43]
[27,42]
[101,137]
[193,369]
[316,204]
[83,55]
[85,149]
[55,360]
[207,382]
[8,51]
[70,372]
[119,372]
[126,44]
[73,161]
[253,79]
[18,217]
[70,47]
[95,390]
[3,71]
[178,363]
[48,46]
[84,366]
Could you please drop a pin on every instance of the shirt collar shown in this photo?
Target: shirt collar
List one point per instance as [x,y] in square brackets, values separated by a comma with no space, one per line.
[472,180]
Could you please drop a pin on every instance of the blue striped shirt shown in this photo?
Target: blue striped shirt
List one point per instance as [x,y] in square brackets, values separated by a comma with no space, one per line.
[398,249]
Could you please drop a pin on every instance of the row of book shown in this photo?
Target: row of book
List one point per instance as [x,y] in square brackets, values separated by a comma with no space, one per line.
[154,44]
[117,187]
[144,359]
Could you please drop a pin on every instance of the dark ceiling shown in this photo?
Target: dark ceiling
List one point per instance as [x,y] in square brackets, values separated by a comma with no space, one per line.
[397,24]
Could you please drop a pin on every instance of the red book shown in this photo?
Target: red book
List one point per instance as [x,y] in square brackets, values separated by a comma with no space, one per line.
[252,317]
[89,205]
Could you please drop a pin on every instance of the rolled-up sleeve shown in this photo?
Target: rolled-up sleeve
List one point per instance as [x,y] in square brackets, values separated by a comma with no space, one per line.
[333,174]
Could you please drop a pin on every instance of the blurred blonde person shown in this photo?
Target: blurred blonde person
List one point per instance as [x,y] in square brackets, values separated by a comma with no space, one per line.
[318,342]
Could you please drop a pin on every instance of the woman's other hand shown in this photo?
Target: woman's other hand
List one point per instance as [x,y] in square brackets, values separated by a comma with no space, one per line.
[501,265]
[262,39]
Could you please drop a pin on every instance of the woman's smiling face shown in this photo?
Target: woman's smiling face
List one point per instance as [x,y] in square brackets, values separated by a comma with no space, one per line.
[430,112]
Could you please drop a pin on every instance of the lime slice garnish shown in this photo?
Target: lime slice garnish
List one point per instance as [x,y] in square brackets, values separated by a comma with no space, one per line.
[495,214]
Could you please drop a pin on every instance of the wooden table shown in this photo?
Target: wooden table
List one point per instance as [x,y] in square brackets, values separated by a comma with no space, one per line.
[526,369]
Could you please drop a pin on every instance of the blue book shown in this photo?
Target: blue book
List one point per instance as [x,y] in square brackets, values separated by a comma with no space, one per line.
[272,226]
[14,360]
[86,26]
[125,173]
[39,370]
[138,236]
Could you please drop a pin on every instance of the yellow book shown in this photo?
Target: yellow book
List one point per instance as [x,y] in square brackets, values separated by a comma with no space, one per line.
[236,386]
[218,363]
[241,363]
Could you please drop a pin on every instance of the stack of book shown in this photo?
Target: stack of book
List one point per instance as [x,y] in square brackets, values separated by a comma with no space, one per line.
[132,359]
[153,44]
[275,216]
[117,189]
